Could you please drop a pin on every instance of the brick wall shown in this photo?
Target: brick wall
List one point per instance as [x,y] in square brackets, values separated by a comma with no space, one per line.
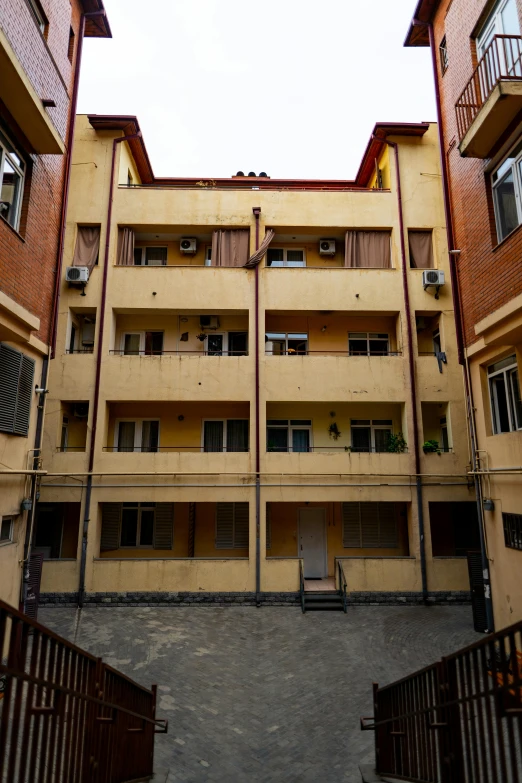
[489,275]
[28,258]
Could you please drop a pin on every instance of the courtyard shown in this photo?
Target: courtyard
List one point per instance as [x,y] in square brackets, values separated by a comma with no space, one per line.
[264,694]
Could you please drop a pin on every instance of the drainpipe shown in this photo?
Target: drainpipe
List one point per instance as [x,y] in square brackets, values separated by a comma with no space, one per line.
[67,178]
[87,509]
[411,367]
[460,335]
[257,212]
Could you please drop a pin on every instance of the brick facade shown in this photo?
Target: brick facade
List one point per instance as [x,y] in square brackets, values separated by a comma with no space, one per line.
[28,257]
[490,274]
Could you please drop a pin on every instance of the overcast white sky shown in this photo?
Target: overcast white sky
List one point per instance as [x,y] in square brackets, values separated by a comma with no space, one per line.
[291,87]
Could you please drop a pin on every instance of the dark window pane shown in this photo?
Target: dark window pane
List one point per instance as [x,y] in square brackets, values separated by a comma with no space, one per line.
[147,527]
[237,435]
[213,438]
[506,206]
[361,439]
[274,257]
[277,439]
[153,343]
[129,526]
[237,343]
[215,345]
[131,345]
[379,347]
[156,256]
[358,346]
[301,440]
[126,433]
[137,256]
[382,440]
[500,404]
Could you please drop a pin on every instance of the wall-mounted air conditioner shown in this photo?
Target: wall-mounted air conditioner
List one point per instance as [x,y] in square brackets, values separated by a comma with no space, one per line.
[209,321]
[77,274]
[327,247]
[81,410]
[433,277]
[188,246]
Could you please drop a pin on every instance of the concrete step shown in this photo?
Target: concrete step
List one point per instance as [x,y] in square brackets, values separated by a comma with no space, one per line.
[323,596]
[330,606]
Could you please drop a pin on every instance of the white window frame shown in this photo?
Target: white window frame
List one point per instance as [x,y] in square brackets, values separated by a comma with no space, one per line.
[142,336]
[507,372]
[208,255]
[285,261]
[144,249]
[493,25]
[224,350]
[443,421]
[443,53]
[372,427]
[8,518]
[39,19]
[140,507]
[368,337]
[290,428]
[64,434]
[138,433]
[514,167]
[6,154]
[287,336]
[225,433]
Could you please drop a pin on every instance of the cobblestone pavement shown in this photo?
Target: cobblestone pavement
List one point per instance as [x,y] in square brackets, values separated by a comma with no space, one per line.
[265,694]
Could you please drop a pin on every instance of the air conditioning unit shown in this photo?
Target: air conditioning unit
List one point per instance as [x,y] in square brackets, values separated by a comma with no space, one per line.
[77,274]
[81,410]
[209,321]
[327,247]
[188,246]
[432,277]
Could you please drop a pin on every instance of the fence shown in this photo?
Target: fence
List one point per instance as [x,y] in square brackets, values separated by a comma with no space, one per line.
[457,721]
[67,716]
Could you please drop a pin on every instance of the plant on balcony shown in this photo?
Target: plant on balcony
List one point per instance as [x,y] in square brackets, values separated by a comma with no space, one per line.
[397,444]
[334,431]
[431,447]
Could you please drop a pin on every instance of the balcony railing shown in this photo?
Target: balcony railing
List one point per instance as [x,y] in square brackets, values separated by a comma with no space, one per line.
[122,352]
[332,449]
[193,449]
[292,352]
[502,61]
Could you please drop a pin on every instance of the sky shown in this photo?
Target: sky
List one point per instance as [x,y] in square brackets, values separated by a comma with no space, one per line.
[290,87]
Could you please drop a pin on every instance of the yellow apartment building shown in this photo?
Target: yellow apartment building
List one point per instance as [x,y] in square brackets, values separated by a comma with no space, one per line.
[256,392]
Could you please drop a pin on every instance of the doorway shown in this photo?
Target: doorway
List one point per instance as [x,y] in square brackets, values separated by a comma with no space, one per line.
[312,542]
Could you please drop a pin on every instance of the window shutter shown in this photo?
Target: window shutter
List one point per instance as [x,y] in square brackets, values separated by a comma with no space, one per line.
[387,526]
[351,525]
[224,526]
[268,528]
[16,390]
[240,525]
[25,395]
[164,526]
[35,567]
[110,532]
[370,525]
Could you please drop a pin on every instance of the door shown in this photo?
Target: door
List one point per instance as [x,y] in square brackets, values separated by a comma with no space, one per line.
[312,542]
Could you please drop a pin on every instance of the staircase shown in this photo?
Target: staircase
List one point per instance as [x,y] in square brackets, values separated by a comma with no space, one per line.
[328,597]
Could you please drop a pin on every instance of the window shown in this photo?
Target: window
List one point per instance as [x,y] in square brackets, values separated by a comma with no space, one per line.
[6,530]
[503,20]
[140,435]
[283,257]
[225,435]
[70,50]
[64,438]
[130,179]
[512,530]
[444,438]
[421,249]
[437,345]
[81,337]
[443,51]
[286,343]
[371,435]
[370,526]
[504,392]
[208,256]
[38,15]
[150,256]
[227,344]
[368,344]
[16,390]
[137,525]
[293,435]
[142,344]
[454,528]
[232,525]
[507,190]
[12,171]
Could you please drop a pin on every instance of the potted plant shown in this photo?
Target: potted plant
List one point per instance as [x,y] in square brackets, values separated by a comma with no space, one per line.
[397,444]
[334,431]
[431,447]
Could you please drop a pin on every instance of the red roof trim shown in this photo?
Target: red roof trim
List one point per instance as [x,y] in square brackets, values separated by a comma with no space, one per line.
[417,35]
[97,26]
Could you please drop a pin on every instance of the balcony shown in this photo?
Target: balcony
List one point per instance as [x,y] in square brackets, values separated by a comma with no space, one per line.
[492,97]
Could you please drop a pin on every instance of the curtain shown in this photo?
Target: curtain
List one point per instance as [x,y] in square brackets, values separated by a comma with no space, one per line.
[125,253]
[263,247]
[368,249]
[149,436]
[421,249]
[126,436]
[237,435]
[213,439]
[87,246]
[301,440]
[230,247]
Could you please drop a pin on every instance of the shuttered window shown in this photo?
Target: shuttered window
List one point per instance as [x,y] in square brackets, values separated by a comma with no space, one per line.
[16,390]
[231,525]
[268,528]
[137,525]
[370,526]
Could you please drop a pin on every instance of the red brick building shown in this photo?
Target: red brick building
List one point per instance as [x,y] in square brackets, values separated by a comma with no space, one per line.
[40,54]
[476,49]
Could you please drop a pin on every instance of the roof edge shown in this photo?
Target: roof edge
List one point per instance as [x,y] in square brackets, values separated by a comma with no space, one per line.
[98,26]
[417,34]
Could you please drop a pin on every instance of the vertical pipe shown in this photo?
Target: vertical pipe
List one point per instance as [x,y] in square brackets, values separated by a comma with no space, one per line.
[257,212]
[411,367]
[470,408]
[88,492]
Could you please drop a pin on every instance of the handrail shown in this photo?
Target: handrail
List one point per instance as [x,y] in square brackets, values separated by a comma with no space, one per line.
[501,60]
[342,584]
[174,449]
[122,352]
[302,584]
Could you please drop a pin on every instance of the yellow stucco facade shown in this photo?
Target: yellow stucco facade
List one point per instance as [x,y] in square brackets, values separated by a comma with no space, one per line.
[185,385]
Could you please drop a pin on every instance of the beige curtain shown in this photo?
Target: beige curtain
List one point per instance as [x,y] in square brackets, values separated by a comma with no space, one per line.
[87,246]
[125,253]
[368,249]
[421,249]
[255,259]
[230,247]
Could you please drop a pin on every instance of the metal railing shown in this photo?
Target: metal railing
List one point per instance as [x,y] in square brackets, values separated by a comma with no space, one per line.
[70,449]
[80,350]
[457,721]
[340,352]
[66,715]
[123,352]
[331,449]
[343,586]
[302,584]
[173,449]
[502,60]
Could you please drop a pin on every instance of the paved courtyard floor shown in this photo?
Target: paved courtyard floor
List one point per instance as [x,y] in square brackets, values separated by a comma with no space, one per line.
[264,694]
